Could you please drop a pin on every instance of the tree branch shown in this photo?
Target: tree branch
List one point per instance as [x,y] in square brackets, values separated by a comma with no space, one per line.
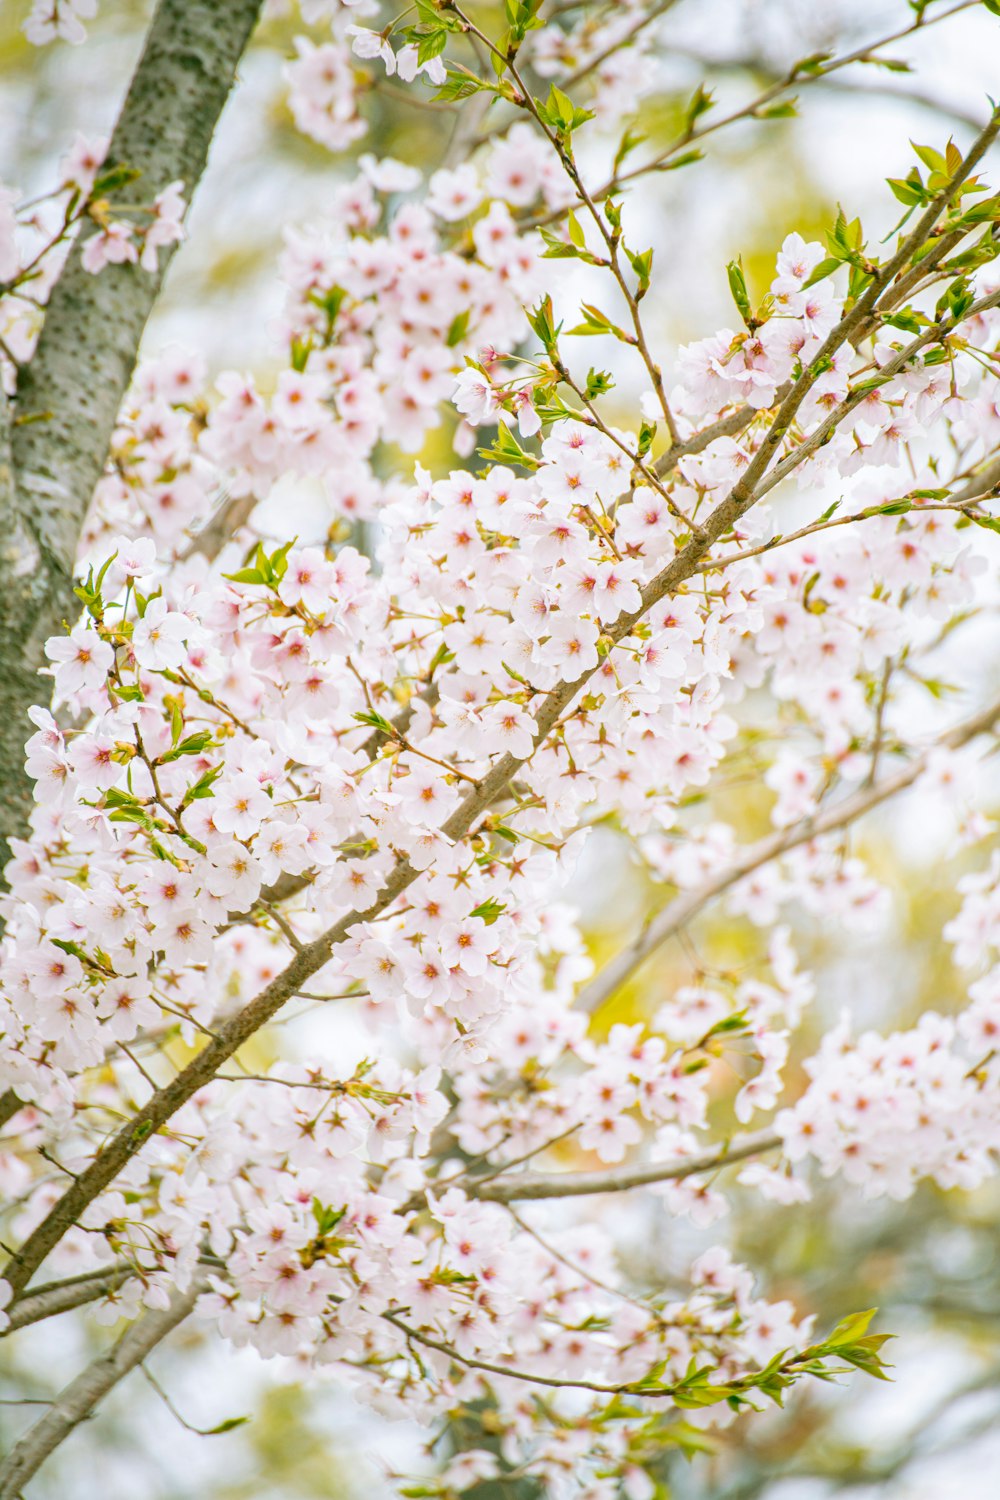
[82,1395]
[63,1296]
[761,69]
[69,394]
[797,78]
[534,1185]
[689,903]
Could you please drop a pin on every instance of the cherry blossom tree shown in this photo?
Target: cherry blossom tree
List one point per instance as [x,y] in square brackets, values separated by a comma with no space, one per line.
[249,780]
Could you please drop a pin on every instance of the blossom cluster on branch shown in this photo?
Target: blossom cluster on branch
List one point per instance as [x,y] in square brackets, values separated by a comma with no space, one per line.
[350,780]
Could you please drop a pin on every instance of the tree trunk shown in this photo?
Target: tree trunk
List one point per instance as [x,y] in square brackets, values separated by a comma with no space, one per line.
[55,434]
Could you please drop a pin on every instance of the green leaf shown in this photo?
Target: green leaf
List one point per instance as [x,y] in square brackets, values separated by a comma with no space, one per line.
[431,15]
[595,322]
[890,508]
[440,658]
[700,102]
[265,570]
[194,744]
[458,328]
[931,159]
[560,249]
[626,146]
[176,722]
[642,265]
[489,910]
[684,160]
[557,249]
[246,575]
[202,787]
[738,1021]
[502,831]
[738,287]
[906,320]
[850,1329]
[72,948]
[891,64]
[864,1356]
[846,236]
[226,1426]
[599,382]
[786,110]
[326,1218]
[459,87]
[328,302]
[133,815]
[986,210]
[112,179]
[551,407]
[909,190]
[822,271]
[811,64]
[562,114]
[689,1439]
[507,450]
[279,559]
[540,321]
[956,300]
[431,44]
[376,721]
[115,797]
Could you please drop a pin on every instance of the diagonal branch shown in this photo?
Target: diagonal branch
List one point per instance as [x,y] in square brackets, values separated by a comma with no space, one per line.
[79,1399]
[687,905]
[764,71]
[798,77]
[68,395]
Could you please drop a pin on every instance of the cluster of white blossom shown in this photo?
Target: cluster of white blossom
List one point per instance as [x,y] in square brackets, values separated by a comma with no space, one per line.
[278,773]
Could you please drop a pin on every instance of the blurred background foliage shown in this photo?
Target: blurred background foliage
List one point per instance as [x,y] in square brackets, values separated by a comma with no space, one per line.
[930,1263]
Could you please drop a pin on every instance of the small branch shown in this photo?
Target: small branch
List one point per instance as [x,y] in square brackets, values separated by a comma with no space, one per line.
[758,65]
[534,1185]
[63,1296]
[655,13]
[687,905]
[793,79]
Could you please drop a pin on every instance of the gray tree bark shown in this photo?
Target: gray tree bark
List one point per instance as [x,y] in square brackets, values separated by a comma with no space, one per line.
[55,433]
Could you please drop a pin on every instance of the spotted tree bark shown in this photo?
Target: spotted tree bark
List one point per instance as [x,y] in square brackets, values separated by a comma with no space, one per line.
[54,434]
